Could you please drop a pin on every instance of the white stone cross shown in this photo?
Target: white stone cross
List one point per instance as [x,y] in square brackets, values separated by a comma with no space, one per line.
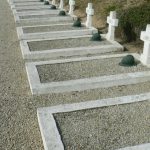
[145,36]
[113,22]
[53,2]
[71,8]
[90,13]
[61,5]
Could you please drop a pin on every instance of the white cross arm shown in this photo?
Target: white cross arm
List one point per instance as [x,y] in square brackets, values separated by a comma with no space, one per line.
[113,22]
[90,11]
[71,2]
[145,36]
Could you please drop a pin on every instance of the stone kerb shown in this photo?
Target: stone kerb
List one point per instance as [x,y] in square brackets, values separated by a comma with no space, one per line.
[113,22]
[145,36]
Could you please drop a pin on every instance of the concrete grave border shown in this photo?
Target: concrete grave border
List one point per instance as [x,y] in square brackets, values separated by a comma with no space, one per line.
[50,19]
[11,2]
[53,53]
[31,13]
[145,146]
[54,34]
[30,7]
[82,84]
[50,134]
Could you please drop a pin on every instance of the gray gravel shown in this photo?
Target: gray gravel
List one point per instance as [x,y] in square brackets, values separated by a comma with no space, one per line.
[84,69]
[19,125]
[64,43]
[51,28]
[107,128]
[44,23]
[25,10]
[38,16]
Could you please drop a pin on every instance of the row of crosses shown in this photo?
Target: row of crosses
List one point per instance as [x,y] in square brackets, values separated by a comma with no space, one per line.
[113,23]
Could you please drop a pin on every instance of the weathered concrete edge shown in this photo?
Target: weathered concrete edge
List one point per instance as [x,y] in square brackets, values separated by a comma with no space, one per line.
[54,34]
[81,84]
[53,53]
[145,146]
[46,123]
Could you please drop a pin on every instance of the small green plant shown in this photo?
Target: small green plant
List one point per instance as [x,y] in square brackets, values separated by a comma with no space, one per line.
[96,37]
[53,7]
[46,3]
[62,13]
[128,61]
[41,0]
[77,23]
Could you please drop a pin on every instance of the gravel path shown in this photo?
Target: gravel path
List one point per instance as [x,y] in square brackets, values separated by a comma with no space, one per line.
[19,126]
[64,43]
[51,28]
[84,69]
[106,128]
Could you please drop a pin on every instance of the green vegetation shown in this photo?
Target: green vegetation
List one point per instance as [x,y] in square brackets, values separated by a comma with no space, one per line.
[133,20]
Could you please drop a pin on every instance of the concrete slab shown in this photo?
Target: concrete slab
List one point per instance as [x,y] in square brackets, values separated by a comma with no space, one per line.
[11,2]
[50,133]
[79,50]
[53,31]
[80,84]
[17,4]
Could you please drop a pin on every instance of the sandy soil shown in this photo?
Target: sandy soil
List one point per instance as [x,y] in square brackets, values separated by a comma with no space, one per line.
[19,126]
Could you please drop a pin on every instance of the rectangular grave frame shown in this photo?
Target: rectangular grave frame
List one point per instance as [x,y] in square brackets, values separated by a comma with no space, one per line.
[30,7]
[20,1]
[54,34]
[52,19]
[54,53]
[38,88]
[28,13]
[50,134]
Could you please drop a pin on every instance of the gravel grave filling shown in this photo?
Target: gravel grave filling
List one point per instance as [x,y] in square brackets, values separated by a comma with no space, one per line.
[64,43]
[51,28]
[84,69]
[26,10]
[106,128]
[38,16]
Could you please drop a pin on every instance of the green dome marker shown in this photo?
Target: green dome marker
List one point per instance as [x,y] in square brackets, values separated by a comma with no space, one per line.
[96,37]
[77,23]
[128,61]
[53,7]
[46,3]
[62,13]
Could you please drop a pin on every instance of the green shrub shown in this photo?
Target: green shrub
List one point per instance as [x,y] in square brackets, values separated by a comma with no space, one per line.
[133,20]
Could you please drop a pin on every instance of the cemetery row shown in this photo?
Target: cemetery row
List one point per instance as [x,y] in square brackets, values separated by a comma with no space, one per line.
[64,54]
